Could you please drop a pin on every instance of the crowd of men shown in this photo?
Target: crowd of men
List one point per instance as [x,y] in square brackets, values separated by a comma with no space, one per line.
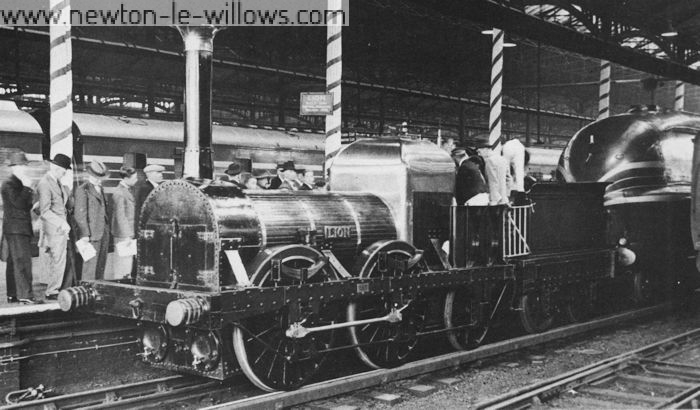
[288,177]
[75,229]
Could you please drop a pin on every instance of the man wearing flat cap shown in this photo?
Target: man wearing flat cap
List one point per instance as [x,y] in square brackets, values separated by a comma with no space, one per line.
[53,197]
[154,176]
[17,198]
[92,219]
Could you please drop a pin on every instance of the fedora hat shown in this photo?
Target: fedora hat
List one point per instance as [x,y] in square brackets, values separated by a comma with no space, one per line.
[97,169]
[234,169]
[289,166]
[18,158]
[61,160]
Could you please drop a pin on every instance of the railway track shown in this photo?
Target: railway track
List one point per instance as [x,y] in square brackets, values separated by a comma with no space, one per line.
[159,392]
[150,393]
[665,375]
[62,351]
[348,384]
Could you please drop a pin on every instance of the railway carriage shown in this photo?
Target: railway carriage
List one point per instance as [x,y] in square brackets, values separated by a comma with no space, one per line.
[108,138]
[263,282]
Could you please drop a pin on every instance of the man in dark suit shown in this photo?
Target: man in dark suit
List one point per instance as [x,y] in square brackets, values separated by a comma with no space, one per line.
[154,176]
[470,186]
[92,219]
[17,230]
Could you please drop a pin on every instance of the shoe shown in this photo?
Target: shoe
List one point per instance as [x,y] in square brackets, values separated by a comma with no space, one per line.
[52,297]
[12,299]
[28,301]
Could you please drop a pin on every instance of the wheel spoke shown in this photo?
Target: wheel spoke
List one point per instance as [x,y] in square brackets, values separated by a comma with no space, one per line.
[270,359]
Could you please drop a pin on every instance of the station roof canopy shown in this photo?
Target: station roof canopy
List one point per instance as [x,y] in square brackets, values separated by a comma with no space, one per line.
[401,58]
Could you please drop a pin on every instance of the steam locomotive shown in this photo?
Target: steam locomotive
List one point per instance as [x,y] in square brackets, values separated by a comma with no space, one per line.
[645,156]
[264,282]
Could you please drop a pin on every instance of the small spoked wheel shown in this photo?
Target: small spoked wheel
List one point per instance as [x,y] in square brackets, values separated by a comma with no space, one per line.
[267,355]
[386,343]
[582,303]
[535,313]
[458,318]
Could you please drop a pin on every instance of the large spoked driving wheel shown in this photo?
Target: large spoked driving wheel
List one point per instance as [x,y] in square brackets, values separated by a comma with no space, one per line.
[535,312]
[386,344]
[268,357]
[458,317]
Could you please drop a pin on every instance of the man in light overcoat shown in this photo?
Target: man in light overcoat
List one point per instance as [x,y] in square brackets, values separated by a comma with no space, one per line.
[54,225]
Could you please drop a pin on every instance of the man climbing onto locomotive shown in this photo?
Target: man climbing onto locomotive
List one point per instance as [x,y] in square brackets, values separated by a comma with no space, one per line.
[470,186]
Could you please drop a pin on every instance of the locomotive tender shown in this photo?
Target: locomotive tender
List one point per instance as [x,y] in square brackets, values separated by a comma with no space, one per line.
[262,282]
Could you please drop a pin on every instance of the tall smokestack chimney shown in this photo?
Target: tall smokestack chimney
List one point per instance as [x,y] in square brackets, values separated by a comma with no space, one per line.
[199,48]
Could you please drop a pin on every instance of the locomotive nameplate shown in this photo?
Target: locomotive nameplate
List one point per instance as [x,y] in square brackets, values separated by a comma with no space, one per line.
[337,232]
[362,288]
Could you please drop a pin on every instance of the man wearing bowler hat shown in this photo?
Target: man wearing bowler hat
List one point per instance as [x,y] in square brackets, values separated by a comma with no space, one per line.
[92,219]
[17,198]
[54,224]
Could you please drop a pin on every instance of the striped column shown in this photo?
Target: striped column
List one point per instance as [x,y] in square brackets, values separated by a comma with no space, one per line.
[61,84]
[604,90]
[496,100]
[679,100]
[334,72]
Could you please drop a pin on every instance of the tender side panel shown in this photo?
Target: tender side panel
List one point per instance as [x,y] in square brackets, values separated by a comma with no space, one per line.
[567,217]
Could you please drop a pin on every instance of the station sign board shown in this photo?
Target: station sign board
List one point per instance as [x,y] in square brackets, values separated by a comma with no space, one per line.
[316,104]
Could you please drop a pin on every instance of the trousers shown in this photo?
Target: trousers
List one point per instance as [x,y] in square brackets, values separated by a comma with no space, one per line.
[122,264]
[496,168]
[53,259]
[95,267]
[514,153]
[19,266]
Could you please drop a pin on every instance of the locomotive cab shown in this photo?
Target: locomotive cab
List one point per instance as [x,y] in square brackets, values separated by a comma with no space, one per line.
[414,177]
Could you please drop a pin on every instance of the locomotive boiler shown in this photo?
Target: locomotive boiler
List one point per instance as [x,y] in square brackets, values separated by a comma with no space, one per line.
[645,157]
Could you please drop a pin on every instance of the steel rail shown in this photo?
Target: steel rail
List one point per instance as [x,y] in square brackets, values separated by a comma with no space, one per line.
[344,385]
[550,388]
[132,395]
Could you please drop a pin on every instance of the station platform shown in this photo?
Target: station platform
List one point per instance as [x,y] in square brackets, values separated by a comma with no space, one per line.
[9,310]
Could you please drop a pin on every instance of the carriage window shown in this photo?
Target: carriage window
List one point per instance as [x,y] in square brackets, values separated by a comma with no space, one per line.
[677,151]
